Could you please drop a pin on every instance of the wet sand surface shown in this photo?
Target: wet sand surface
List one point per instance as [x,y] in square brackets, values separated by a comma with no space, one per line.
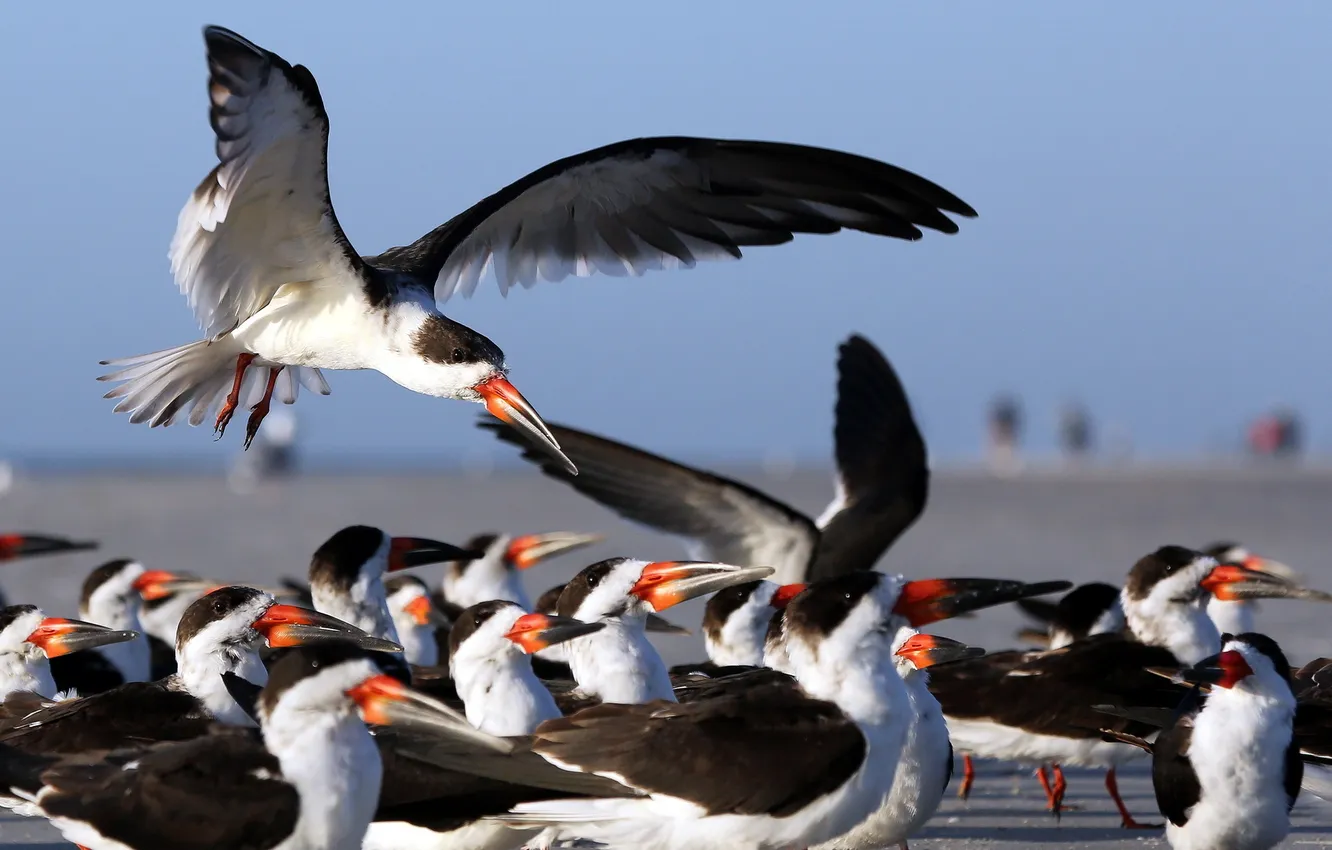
[1078,526]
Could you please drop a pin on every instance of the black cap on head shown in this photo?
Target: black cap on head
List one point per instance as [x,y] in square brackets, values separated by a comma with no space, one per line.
[211,607]
[101,576]
[472,619]
[581,585]
[550,600]
[338,561]
[1153,568]
[10,613]
[1266,646]
[300,663]
[824,605]
[723,604]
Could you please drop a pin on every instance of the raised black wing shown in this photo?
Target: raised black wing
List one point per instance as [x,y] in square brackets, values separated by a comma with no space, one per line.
[723,520]
[883,477]
[667,202]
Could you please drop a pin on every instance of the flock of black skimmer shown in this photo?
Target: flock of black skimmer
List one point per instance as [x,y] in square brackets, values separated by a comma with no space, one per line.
[364,707]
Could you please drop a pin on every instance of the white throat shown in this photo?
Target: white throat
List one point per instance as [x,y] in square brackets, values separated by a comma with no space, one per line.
[619,663]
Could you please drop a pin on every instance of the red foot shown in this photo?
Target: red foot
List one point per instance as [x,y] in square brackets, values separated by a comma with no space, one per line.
[260,410]
[1112,785]
[224,415]
[968,777]
[1051,801]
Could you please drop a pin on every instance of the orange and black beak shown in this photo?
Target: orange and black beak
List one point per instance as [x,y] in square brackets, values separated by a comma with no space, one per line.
[159,584]
[507,405]
[925,650]
[385,701]
[287,625]
[1230,582]
[424,612]
[27,545]
[531,549]
[534,632]
[1224,670]
[930,600]
[408,552]
[666,583]
[782,596]
[56,636]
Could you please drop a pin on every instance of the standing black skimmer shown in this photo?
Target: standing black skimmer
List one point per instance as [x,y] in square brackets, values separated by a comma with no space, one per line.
[618,664]
[275,283]
[881,486]
[347,574]
[1038,706]
[110,597]
[781,763]
[312,781]
[417,621]
[927,755]
[1227,770]
[29,639]
[495,574]
[552,662]
[216,637]
[735,625]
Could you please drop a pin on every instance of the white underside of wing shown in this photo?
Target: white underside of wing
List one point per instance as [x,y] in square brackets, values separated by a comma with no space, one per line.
[262,219]
[584,222]
[836,506]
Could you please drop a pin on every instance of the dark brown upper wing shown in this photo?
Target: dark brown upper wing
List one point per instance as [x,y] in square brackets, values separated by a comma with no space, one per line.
[1055,692]
[746,750]
[220,791]
[667,202]
[133,713]
[724,520]
[883,478]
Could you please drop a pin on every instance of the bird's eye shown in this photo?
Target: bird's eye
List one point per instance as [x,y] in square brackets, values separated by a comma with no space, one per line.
[457,355]
[593,580]
[218,606]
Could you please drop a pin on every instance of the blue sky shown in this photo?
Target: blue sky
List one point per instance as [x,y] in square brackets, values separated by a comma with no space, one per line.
[1151,181]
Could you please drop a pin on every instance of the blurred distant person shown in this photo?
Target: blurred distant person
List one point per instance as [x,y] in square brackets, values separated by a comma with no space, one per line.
[1265,436]
[273,454]
[1290,434]
[1005,433]
[1074,431]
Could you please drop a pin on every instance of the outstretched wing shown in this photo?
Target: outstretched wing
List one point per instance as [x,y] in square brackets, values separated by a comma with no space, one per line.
[883,478]
[723,520]
[262,218]
[667,202]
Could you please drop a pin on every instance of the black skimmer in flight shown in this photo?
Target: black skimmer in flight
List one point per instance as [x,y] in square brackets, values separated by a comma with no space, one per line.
[1039,706]
[496,573]
[110,597]
[735,625]
[278,289]
[216,637]
[29,639]
[881,485]
[1226,768]
[778,763]
[310,779]
[926,764]
[419,623]
[618,664]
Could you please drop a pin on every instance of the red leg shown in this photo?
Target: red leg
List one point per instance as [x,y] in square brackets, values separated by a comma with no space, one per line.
[224,415]
[260,410]
[1060,786]
[1112,785]
[968,777]
[1051,803]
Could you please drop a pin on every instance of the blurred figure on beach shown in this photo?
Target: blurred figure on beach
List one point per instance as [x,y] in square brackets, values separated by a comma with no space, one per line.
[272,455]
[1278,435]
[1075,432]
[1005,434]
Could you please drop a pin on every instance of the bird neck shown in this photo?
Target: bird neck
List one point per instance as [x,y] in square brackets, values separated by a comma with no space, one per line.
[619,664]
[501,694]
[26,671]
[200,669]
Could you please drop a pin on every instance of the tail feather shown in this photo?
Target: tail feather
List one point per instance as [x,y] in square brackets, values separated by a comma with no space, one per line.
[156,387]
